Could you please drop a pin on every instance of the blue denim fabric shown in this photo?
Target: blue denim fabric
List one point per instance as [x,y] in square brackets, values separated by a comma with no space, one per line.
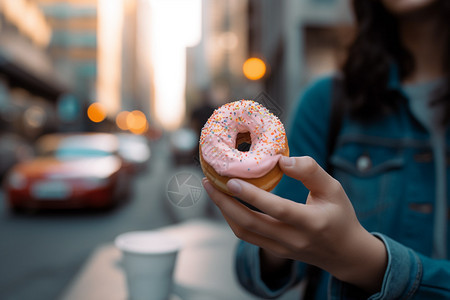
[386,168]
[401,261]
[247,265]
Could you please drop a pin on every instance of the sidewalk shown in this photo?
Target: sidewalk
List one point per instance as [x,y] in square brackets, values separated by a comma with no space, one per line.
[204,269]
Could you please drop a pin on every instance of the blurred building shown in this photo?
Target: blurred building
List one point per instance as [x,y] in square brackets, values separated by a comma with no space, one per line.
[215,63]
[73,44]
[94,46]
[29,86]
[73,48]
[132,55]
[299,40]
[134,93]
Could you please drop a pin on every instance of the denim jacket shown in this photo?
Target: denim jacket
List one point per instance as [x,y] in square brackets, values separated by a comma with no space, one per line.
[386,168]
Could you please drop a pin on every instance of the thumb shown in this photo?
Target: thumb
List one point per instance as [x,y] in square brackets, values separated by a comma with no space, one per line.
[310,173]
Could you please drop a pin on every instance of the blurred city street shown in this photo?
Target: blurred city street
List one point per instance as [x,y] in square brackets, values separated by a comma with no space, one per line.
[42,251]
[101,107]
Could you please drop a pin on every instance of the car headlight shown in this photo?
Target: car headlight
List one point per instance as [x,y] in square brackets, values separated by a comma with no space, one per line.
[17,180]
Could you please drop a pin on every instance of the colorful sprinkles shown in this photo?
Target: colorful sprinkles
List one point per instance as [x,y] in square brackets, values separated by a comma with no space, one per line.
[218,137]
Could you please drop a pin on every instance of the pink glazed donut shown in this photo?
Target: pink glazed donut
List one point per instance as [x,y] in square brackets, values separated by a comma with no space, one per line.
[243,121]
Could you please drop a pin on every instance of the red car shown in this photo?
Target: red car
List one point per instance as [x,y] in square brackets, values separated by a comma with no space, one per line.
[72,171]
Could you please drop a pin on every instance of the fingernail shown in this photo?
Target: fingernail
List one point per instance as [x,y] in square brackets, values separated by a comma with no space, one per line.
[234,186]
[287,161]
[206,184]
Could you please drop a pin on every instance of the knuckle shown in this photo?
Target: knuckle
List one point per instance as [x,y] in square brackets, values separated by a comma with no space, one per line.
[281,212]
[335,187]
[319,226]
[239,232]
[299,246]
[248,223]
[309,164]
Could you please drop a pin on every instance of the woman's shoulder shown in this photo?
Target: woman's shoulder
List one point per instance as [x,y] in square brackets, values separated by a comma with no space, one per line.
[317,94]
[319,87]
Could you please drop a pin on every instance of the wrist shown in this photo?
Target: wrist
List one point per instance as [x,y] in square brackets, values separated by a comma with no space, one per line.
[363,262]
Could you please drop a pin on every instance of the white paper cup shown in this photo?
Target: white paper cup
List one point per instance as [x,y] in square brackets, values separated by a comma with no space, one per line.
[148,259]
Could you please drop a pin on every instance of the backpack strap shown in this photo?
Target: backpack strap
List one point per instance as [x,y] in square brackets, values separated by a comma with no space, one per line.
[313,274]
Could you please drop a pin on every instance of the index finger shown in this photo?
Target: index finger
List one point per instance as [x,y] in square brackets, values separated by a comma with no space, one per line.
[282,209]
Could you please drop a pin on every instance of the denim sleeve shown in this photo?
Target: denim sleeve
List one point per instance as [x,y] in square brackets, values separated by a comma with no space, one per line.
[403,278]
[249,273]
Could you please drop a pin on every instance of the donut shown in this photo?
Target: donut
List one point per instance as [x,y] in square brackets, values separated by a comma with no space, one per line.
[231,126]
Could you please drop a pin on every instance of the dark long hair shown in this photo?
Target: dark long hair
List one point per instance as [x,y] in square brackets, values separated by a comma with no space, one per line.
[375,49]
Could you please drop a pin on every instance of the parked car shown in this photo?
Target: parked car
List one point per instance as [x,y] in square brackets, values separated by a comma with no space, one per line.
[135,151]
[80,170]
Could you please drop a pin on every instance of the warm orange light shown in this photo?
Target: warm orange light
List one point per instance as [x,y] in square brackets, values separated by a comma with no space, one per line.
[96,112]
[254,68]
[139,130]
[136,122]
[121,120]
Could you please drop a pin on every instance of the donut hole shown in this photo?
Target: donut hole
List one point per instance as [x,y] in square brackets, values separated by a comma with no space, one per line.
[243,141]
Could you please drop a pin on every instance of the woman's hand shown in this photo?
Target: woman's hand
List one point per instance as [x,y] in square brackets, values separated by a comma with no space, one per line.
[323,232]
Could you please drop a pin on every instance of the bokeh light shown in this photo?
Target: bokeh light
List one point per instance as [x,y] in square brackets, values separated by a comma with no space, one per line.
[121,120]
[136,122]
[96,112]
[254,68]
[35,116]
